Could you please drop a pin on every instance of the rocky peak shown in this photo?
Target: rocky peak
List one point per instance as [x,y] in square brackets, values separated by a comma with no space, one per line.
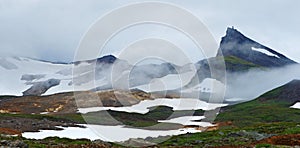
[233,35]
[234,43]
[107,59]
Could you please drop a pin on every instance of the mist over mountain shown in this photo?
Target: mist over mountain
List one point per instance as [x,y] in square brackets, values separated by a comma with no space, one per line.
[249,85]
[247,67]
[25,76]
[237,80]
[245,64]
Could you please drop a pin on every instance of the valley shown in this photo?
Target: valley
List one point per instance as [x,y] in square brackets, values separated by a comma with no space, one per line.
[239,98]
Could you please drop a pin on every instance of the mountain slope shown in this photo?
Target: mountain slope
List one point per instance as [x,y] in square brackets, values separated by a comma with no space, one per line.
[236,44]
[63,103]
[273,106]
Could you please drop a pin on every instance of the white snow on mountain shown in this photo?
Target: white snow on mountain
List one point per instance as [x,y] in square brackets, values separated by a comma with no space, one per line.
[264,51]
[296,105]
[20,74]
[25,76]
[14,69]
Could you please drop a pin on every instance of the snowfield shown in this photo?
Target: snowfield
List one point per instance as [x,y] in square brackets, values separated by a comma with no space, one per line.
[20,74]
[25,76]
[143,106]
[117,133]
[16,73]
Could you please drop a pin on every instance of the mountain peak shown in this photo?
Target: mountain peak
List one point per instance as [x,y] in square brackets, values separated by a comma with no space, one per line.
[234,43]
[107,59]
[233,34]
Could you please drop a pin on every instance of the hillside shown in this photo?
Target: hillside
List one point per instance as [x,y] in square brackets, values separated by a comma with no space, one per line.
[273,106]
[268,122]
[63,103]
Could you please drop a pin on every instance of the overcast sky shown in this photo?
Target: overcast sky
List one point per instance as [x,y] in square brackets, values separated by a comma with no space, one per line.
[52,29]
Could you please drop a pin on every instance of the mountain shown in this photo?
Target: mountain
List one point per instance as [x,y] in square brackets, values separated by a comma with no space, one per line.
[235,44]
[25,76]
[272,106]
[240,54]
[108,59]
[237,55]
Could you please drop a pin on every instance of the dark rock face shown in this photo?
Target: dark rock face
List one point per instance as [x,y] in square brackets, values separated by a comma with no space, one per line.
[289,93]
[236,44]
[107,59]
[40,88]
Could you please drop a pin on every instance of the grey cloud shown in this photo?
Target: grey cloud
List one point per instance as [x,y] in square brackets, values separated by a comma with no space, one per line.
[51,30]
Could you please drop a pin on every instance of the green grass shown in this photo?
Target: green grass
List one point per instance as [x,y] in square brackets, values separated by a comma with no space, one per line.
[8,97]
[236,64]
[224,136]
[66,117]
[264,109]
[67,140]
[110,117]
[212,138]
[136,119]
[273,93]
[46,142]
[255,112]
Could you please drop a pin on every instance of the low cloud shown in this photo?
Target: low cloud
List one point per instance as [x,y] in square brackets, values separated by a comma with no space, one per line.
[256,82]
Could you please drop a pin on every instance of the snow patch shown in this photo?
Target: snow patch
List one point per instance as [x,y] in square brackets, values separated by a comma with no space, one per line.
[143,106]
[106,133]
[188,120]
[264,51]
[296,105]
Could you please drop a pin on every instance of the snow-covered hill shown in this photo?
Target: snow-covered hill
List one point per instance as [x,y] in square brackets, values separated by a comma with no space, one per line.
[19,74]
[25,76]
